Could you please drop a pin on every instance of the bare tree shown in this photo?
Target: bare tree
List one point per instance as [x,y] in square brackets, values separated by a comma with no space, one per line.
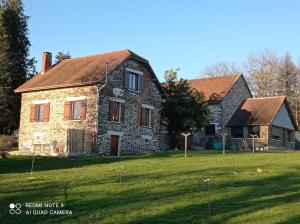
[262,68]
[222,68]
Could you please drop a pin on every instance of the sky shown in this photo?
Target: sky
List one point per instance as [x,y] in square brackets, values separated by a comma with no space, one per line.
[169,33]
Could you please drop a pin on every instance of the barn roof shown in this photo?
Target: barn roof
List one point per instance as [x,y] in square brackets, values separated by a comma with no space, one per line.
[215,88]
[259,111]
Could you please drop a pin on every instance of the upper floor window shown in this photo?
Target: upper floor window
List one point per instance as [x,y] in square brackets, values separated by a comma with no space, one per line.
[134,80]
[147,116]
[75,110]
[40,112]
[116,111]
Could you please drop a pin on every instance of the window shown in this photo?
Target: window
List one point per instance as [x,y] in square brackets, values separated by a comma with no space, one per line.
[75,110]
[210,130]
[147,117]
[290,135]
[237,132]
[133,81]
[40,112]
[116,111]
[253,130]
[276,133]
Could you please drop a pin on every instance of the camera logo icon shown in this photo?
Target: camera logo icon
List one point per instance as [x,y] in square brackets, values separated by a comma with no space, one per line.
[15,209]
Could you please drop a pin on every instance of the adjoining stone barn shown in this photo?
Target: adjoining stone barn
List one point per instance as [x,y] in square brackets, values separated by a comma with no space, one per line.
[269,120]
[107,104]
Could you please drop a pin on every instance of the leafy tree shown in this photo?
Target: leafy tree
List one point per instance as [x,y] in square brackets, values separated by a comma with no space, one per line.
[61,55]
[184,108]
[15,65]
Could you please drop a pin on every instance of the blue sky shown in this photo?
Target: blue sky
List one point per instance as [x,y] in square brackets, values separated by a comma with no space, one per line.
[170,34]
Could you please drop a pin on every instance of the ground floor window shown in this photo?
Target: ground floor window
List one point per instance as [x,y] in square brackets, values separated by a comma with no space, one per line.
[254,131]
[210,130]
[276,133]
[237,132]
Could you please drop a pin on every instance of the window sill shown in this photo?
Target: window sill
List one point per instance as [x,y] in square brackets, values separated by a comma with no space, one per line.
[116,122]
[149,127]
[134,91]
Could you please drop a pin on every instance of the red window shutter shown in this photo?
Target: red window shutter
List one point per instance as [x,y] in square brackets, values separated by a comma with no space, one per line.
[123,112]
[67,110]
[110,110]
[141,83]
[46,112]
[83,110]
[152,118]
[126,79]
[32,113]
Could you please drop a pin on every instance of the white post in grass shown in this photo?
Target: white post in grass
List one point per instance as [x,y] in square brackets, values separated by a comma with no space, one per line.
[185,143]
[253,141]
[208,189]
[223,141]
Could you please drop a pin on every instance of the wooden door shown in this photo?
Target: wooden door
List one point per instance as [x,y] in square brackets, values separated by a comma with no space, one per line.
[114,145]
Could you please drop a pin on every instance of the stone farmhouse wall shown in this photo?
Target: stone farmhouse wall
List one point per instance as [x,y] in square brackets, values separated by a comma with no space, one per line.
[233,99]
[133,137]
[55,130]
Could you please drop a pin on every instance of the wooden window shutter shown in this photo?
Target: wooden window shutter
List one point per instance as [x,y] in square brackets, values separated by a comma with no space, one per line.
[32,113]
[110,110]
[141,83]
[67,110]
[139,114]
[152,118]
[83,109]
[123,112]
[46,112]
[126,79]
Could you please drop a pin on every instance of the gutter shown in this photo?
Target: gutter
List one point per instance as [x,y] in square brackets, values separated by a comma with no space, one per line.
[99,89]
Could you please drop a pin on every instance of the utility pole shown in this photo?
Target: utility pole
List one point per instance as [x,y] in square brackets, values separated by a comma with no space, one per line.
[185,143]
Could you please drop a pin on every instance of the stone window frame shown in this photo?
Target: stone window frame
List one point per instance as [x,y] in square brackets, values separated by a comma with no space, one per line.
[40,111]
[120,102]
[138,75]
[73,100]
[150,114]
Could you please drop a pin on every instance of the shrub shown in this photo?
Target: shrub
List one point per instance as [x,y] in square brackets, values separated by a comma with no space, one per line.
[7,142]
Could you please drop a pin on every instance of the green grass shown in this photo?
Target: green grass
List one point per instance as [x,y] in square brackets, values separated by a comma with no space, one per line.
[157,188]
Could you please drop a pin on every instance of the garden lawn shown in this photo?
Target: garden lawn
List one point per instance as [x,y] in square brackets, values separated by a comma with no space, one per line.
[156,188]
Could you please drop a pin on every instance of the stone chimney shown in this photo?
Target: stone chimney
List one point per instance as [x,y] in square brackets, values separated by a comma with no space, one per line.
[47,62]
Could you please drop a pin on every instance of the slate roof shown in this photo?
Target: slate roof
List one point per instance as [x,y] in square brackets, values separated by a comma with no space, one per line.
[259,111]
[215,88]
[80,71]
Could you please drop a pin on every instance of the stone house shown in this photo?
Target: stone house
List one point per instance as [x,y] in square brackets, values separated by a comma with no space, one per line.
[268,119]
[108,104]
[224,94]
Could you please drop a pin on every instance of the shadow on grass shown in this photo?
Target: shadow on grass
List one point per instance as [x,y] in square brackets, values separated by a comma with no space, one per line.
[263,193]
[21,164]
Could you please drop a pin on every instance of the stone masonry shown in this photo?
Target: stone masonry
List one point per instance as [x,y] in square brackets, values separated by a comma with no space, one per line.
[134,137]
[55,130]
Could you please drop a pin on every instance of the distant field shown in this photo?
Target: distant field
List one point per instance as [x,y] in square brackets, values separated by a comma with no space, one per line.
[156,188]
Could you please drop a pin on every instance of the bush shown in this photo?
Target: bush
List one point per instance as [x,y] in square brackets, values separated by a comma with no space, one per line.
[7,142]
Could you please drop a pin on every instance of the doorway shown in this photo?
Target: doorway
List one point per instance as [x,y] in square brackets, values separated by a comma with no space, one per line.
[114,148]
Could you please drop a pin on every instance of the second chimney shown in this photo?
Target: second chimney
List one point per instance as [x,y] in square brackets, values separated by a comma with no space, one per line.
[47,62]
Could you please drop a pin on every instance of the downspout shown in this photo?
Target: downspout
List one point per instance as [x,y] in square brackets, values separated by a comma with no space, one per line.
[99,88]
